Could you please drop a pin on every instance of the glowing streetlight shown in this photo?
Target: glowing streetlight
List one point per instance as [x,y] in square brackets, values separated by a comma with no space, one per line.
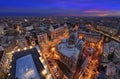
[42,60]
[25,48]
[31,47]
[40,54]
[53,49]
[49,76]
[18,50]
[39,51]
[9,74]
[10,66]
[44,72]
[13,51]
[45,66]
[55,67]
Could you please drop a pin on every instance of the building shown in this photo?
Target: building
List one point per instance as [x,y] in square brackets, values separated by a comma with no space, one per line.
[26,65]
[2,30]
[110,48]
[70,50]
[28,28]
[90,36]
[3,61]
[21,42]
[42,37]
[9,45]
[25,68]
[111,71]
[109,30]
[57,31]
[2,27]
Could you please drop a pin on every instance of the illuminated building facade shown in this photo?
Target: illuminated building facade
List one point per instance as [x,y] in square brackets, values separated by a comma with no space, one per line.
[70,50]
[57,32]
[42,37]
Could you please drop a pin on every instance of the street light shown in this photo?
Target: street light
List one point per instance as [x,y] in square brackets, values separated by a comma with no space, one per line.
[25,48]
[49,76]
[31,47]
[13,52]
[39,51]
[42,60]
[9,74]
[53,49]
[44,72]
[45,66]
[18,50]
[40,54]
[55,67]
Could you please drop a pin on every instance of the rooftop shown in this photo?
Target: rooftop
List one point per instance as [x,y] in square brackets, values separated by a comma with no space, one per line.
[25,68]
[1,52]
[35,56]
[72,53]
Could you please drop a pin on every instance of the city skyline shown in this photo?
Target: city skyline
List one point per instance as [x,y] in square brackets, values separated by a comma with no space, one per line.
[60,8]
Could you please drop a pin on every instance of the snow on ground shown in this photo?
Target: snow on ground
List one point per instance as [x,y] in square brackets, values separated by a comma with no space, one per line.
[25,68]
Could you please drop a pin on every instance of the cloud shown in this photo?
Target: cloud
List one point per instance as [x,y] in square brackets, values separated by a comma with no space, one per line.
[62,7]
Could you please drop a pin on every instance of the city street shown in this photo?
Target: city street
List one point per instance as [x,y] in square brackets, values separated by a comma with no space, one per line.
[90,71]
[48,56]
[110,36]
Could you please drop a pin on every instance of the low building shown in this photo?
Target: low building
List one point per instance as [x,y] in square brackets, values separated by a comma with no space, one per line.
[55,32]
[108,49]
[2,28]
[109,30]
[111,71]
[28,28]
[42,37]
[3,61]
[90,37]
[21,42]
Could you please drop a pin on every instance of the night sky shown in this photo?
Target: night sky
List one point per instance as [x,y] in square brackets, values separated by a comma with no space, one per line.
[60,7]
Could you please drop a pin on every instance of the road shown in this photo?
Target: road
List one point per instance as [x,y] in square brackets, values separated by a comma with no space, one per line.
[112,37]
[47,53]
[90,71]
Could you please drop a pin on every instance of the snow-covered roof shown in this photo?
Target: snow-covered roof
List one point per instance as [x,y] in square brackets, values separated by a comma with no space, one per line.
[72,53]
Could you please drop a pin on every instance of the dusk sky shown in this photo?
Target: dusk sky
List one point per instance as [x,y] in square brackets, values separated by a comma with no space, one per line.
[60,7]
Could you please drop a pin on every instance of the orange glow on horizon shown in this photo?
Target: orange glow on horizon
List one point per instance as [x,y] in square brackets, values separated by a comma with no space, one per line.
[102,14]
